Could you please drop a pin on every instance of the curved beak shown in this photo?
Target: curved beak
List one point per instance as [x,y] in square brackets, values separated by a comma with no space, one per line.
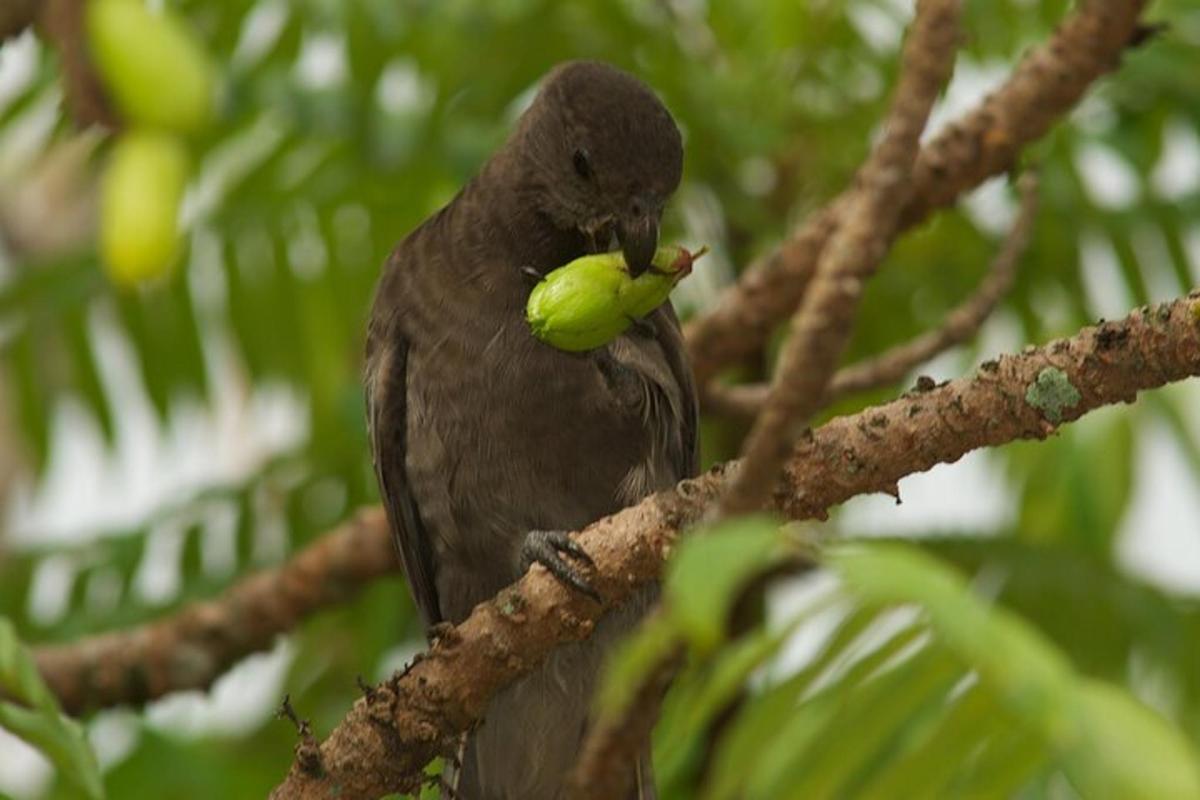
[637,234]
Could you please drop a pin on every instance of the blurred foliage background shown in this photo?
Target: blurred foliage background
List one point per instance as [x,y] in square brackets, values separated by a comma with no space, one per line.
[157,442]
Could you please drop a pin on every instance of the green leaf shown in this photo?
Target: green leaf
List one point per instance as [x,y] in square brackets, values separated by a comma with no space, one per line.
[637,656]
[768,712]
[1109,744]
[1128,752]
[867,725]
[707,691]
[1010,655]
[19,675]
[711,567]
[931,761]
[38,720]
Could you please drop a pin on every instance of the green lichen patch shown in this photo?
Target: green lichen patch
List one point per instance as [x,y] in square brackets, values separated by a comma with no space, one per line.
[1051,393]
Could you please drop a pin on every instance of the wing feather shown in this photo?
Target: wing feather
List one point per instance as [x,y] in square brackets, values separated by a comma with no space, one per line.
[387,419]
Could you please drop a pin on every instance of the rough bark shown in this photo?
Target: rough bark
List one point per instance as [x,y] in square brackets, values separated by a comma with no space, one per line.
[191,649]
[1046,84]
[963,322]
[389,735]
[822,325]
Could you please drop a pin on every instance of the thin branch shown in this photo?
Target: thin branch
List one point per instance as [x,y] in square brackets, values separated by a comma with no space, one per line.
[191,649]
[962,323]
[822,326]
[385,740]
[1044,86]
[612,744]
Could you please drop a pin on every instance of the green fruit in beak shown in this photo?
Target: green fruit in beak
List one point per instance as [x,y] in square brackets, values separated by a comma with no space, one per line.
[593,300]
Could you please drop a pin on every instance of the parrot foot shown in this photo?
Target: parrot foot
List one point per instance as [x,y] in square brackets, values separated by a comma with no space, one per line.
[547,548]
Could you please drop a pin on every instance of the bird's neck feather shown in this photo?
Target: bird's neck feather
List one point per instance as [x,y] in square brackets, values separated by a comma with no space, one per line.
[517,231]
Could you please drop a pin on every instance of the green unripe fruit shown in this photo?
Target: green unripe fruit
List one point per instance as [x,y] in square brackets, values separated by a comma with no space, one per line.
[593,300]
[140,193]
[152,64]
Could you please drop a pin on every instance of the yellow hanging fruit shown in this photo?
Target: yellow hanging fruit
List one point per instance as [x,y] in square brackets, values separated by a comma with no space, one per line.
[140,194]
[156,70]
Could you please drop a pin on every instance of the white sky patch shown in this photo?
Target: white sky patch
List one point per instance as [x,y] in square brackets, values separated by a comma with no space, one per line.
[397,658]
[1177,173]
[992,207]
[862,81]
[50,589]
[521,103]
[880,29]
[1191,246]
[27,136]
[757,176]
[1159,539]
[402,89]
[1154,262]
[113,735]
[1002,333]
[972,494]
[322,61]
[158,577]
[971,81]
[24,772]
[785,600]
[260,31]
[228,164]
[90,487]
[1109,180]
[1108,295]
[238,703]
[18,66]
[1094,115]
[1052,303]
[704,223]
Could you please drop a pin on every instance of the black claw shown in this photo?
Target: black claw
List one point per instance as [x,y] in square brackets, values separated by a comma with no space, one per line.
[547,548]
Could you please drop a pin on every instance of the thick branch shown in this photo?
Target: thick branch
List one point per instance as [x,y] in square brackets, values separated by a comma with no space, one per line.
[193,648]
[389,735]
[893,364]
[63,23]
[985,142]
[822,326]
[15,17]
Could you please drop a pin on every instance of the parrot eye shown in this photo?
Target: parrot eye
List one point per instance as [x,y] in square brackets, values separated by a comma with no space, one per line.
[583,166]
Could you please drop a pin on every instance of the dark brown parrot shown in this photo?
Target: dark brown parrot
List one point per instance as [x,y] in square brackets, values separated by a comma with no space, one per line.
[490,445]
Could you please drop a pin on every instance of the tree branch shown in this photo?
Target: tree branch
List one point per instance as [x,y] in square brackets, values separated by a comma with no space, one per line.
[822,326]
[612,744]
[389,735]
[15,17]
[62,23]
[821,329]
[191,649]
[746,400]
[985,142]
